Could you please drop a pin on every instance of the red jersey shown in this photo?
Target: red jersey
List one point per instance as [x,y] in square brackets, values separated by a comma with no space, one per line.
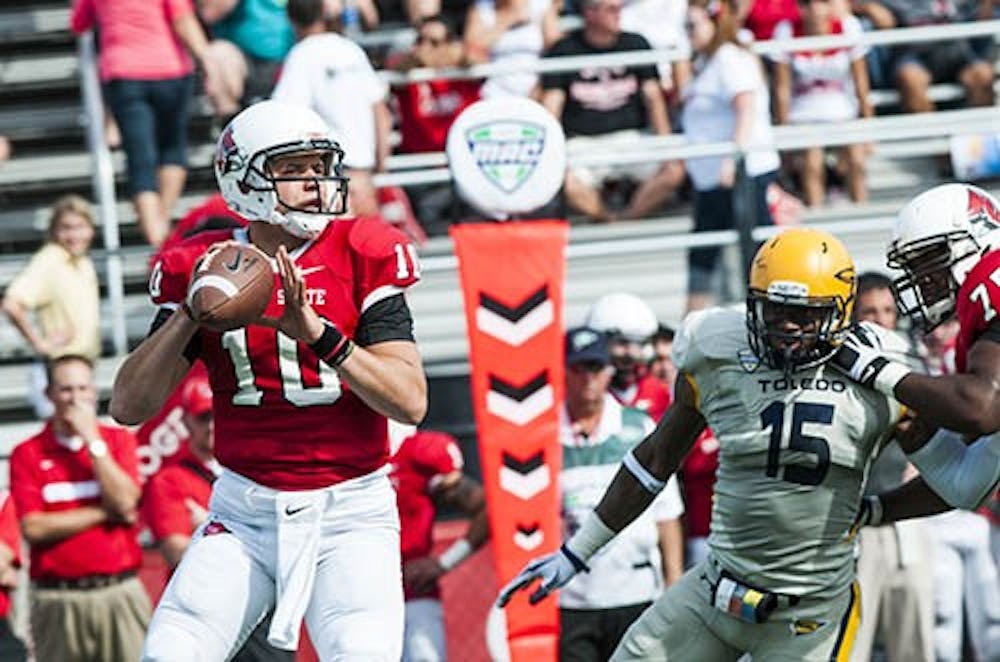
[161,437]
[290,424]
[977,305]
[416,471]
[427,110]
[650,395]
[698,483]
[214,205]
[10,535]
[164,506]
[46,476]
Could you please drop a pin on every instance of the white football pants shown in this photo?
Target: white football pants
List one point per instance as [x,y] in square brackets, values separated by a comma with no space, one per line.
[423,637]
[330,556]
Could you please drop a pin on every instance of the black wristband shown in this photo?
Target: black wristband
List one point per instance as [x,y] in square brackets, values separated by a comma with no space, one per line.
[333,346]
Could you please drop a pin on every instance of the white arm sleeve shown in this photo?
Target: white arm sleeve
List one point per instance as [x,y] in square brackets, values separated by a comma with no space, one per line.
[963,475]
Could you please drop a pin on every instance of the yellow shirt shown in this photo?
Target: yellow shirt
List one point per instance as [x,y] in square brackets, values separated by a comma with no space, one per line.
[62,291]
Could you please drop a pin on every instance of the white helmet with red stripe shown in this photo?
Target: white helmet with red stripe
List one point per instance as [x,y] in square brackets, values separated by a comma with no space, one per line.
[268,130]
[936,240]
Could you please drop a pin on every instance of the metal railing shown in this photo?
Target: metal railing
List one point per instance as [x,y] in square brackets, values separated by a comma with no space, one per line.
[432,167]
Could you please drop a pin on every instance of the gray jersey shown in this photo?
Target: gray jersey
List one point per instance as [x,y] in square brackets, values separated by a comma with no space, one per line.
[794,454]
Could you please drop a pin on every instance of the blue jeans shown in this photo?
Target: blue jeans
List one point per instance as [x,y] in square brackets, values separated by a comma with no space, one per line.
[152,116]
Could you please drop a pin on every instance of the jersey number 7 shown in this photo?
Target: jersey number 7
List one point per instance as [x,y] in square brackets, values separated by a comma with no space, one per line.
[802,412]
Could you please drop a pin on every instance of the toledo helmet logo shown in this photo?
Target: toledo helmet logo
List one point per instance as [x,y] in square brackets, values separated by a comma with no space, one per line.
[506,151]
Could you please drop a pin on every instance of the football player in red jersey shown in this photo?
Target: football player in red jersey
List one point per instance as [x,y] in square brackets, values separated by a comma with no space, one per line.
[303,518]
[427,473]
[947,243]
[630,324]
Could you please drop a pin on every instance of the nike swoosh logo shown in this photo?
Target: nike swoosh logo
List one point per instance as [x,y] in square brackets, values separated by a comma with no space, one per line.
[291,512]
[236,262]
[312,270]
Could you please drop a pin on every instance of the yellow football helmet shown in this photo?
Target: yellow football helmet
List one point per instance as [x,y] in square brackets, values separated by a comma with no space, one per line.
[800,298]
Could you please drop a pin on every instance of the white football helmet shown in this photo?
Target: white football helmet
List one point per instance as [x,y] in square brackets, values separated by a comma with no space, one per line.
[272,129]
[936,240]
[622,314]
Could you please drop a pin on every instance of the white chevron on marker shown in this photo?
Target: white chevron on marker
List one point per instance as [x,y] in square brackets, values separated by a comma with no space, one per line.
[515,333]
[523,412]
[529,541]
[527,485]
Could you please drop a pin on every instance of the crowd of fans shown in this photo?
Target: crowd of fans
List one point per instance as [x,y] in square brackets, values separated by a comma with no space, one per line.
[246,50]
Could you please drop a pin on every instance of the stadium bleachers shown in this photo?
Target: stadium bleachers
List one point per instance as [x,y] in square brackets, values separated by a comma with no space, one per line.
[42,115]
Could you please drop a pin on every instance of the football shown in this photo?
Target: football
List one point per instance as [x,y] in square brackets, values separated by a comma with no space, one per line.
[230,287]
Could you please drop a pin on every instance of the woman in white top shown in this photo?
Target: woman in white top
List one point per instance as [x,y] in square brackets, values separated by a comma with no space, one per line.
[830,85]
[510,31]
[726,100]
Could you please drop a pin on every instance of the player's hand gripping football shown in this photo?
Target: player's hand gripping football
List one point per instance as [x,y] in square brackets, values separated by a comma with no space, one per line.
[298,319]
[861,358]
[555,571]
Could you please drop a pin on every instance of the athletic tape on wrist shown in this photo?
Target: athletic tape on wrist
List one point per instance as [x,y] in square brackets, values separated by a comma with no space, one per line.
[887,378]
[458,552]
[649,482]
[590,537]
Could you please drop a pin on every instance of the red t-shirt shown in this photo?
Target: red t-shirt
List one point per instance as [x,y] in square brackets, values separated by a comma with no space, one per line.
[162,437]
[45,476]
[10,535]
[137,37]
[698,483]
[164,506]
[764,15]
[978,304]
[292,425]
[651,396]
[427,110]
[213,206]
[416,470]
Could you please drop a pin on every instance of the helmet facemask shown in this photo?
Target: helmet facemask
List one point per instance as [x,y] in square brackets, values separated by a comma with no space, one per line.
[628,356]
[792,333]
[308,217]
[933,271]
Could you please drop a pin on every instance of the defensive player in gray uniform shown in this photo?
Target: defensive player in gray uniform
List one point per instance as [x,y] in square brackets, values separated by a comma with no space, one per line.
[796,437]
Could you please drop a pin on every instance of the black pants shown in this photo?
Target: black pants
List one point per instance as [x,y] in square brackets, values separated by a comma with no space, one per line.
[591,635]
[713,211]
[11,648]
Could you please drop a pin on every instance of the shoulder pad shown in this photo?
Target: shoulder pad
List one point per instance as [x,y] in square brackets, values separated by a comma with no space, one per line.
[895,345]
[714,333]
[374,238]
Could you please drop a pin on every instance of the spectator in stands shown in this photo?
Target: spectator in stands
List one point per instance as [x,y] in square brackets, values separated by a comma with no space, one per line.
[511,32]
[596,432]
[76,487]
[917,66]
[11,648]
[148,82]
[332,75]
[661,22]
[629,324]
[662,364]
[426,470]
[250,39]
[59,286]
[428,108]
[760,17]
[727,100]
[814,87]
[175,501]
[603,107]
[894,565]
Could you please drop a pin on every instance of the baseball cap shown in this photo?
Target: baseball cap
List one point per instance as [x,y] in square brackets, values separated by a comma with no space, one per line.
[196,398]
[586,345]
